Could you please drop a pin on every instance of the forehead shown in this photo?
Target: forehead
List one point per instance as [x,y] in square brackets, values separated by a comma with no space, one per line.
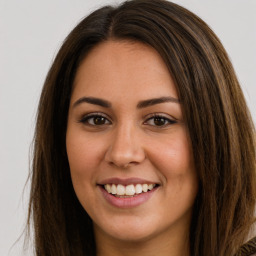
[123,68]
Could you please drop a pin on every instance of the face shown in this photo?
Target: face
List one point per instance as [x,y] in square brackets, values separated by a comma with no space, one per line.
[127,144]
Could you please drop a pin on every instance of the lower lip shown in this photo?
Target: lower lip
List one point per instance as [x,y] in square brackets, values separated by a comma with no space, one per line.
[127,202]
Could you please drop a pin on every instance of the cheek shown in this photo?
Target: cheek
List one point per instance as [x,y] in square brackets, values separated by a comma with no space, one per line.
[83,152]
[173,155]
[83,155]
[176,166]
[173,158]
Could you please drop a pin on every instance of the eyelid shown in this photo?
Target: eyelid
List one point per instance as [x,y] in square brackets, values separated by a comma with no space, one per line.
[171,120]
[167,117]
[94,114]
[159,114]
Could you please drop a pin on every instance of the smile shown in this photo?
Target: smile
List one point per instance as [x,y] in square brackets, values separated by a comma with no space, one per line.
[120,190]
[127,193]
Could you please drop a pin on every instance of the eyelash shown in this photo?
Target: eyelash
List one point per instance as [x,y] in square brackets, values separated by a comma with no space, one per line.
[86,120]
[167,121]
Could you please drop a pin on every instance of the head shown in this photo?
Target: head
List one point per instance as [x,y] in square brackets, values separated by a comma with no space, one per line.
[214,112]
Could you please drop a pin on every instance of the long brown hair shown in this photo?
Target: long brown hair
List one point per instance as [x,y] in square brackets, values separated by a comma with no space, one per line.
[214,108]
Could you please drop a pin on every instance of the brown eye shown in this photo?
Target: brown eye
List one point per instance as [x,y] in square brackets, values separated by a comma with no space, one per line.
[95,120]
[159,121]
[99,120]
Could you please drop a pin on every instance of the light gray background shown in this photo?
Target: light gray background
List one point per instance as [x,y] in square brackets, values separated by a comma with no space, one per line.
[31,32]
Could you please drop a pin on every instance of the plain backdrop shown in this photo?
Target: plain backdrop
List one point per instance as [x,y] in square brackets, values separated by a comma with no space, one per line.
[31,33]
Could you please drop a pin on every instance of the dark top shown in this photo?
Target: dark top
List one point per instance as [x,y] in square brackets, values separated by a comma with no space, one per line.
[248,249]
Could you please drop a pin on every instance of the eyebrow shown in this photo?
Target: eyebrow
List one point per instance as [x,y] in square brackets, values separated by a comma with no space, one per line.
[151,102]
[141,104]
[94,101]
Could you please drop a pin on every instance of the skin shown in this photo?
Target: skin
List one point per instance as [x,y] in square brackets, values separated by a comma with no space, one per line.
[130,142]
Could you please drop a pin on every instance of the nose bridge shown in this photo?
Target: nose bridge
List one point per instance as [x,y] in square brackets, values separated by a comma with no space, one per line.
[125,146]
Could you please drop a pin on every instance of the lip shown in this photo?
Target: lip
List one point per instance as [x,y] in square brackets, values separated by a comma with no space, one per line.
[127,202]
[125,182]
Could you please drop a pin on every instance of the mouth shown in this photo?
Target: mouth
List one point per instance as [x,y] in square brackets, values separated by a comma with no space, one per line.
[131,190]
[127,192]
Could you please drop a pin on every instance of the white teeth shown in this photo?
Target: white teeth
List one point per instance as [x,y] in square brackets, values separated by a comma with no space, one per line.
[108,188]
[129,190]
[150,186]
[120,190]
[138,188]
[145,187]
[113,189]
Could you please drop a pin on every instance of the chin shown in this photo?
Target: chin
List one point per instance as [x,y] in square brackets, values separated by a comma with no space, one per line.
[130,230]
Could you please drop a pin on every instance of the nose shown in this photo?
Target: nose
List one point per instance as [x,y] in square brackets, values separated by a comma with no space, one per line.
[125,148]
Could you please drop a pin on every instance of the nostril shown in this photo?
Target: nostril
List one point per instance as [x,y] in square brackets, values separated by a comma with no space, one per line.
[124,151]
[123,165]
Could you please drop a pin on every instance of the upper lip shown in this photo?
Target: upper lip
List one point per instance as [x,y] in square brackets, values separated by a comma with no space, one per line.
[125,182]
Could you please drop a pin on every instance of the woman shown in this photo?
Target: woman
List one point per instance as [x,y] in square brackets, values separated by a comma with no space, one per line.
[143,143]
